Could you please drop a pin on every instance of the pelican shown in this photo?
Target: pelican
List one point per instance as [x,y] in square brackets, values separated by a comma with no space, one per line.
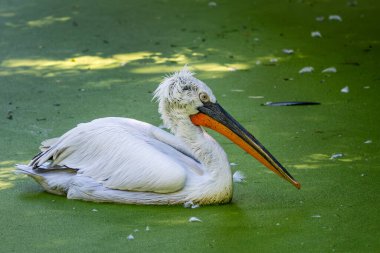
[123,160]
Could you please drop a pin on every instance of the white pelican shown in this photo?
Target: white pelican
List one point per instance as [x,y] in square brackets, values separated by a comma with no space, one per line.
[128,161]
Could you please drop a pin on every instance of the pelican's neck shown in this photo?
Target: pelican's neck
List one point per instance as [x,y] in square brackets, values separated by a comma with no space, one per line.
[204,147]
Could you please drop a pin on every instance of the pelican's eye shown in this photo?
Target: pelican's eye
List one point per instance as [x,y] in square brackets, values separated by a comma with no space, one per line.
[204,97]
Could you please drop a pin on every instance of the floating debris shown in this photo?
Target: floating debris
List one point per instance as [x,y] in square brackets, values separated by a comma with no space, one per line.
[368,142]
[307,69]
[238,177]
[335,17]
[345,89]
[288,51]
[290,103]
[194,219]
[336,156]
[329,70]
[320,18]
[316,34]
[258,62]
[94,210]
[316,216]
[237,90]
[366,87]
[233,164]
[362,175]
[130,237]
[147,228]
[278,224]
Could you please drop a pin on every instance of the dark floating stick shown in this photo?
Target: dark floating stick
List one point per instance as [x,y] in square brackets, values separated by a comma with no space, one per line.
[290,103]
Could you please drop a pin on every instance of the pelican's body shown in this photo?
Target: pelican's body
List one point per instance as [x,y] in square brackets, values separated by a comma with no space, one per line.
[129,161]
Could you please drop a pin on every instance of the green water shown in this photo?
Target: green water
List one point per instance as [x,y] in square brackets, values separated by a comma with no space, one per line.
[66,62]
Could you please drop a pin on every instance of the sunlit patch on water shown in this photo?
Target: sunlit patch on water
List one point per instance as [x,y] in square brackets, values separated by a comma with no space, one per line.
[7,175]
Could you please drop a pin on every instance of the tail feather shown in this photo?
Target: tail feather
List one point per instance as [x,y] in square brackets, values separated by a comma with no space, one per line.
[53,181]
[27,170]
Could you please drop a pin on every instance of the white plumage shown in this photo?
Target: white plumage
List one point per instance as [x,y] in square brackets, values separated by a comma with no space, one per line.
[129,161]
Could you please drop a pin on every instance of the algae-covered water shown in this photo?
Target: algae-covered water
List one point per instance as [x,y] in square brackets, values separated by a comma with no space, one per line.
[66,62]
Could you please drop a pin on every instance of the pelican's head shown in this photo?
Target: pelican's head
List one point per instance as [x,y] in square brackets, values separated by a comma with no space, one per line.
[182,96]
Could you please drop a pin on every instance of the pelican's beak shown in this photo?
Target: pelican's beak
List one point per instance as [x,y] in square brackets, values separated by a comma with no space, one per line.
[213,116]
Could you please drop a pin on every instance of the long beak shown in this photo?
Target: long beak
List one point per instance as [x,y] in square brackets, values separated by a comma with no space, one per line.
[213,116]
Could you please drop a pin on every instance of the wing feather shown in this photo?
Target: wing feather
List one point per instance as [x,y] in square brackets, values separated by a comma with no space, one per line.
[124,154]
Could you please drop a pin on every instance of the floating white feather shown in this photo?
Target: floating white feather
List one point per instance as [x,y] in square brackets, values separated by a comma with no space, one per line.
[307,69]
[288,51]
[336,156]
[238,177]
[329,70]
[316,34]
[194,219]
[335,17]
[345,89]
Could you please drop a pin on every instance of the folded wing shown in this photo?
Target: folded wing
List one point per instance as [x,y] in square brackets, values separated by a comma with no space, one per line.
[122,154]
